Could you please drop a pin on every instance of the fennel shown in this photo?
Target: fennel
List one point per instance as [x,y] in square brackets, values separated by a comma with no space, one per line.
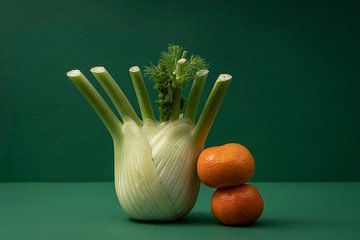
[155,161]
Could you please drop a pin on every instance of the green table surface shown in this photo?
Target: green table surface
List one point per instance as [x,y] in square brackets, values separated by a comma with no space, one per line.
[91,211]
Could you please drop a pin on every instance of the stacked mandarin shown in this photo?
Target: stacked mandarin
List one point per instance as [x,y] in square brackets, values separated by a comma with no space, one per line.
[228,168]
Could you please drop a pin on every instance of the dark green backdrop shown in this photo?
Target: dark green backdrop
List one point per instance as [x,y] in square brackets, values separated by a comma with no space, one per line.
[293,101]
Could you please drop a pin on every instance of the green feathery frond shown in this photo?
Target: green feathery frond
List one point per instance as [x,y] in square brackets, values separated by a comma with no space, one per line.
[193,65]
[164,76]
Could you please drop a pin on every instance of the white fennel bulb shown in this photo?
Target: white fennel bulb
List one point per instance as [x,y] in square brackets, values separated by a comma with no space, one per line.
[157,179]
[155,161]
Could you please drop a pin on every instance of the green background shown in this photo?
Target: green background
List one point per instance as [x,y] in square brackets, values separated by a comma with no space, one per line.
[293,101]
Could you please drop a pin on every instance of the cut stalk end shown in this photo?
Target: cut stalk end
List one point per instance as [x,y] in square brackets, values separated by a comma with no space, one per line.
[134,69]
[202,72]
[73,73]
[224,77]
[98,69]
[182,61]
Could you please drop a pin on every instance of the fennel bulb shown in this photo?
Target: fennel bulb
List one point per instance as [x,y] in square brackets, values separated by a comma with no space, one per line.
[155,161]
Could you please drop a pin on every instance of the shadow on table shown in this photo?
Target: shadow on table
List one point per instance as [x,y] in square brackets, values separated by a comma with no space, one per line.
[195,218]
[206,218]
